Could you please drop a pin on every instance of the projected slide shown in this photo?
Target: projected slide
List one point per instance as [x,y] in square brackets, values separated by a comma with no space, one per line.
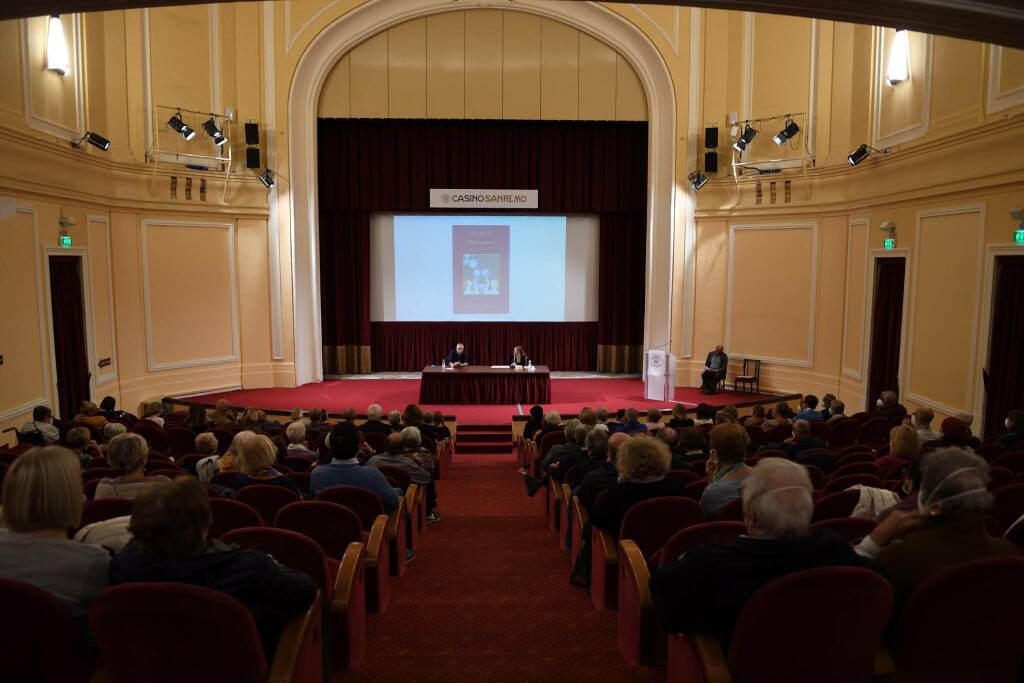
[487,268]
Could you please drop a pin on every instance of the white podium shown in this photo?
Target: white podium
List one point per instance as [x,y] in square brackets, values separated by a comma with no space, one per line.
[659,375]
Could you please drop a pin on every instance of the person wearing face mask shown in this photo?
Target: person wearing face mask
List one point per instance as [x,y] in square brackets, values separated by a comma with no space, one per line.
[888,406]
[946,529]
[921,420]
[1014,436]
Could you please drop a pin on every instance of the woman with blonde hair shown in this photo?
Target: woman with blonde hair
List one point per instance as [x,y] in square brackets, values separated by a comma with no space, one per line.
[642,465]
[250,419]
[223,414]
[127,454]
[42,502]
[229,462]
[88,416]
[256,458]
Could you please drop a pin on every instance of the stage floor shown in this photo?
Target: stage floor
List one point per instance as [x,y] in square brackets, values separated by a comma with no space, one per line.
[567,396]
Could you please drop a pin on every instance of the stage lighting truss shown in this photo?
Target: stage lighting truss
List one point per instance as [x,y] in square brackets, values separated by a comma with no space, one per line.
[173,140]
[791,139]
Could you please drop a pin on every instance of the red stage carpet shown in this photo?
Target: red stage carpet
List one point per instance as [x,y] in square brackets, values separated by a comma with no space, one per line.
[568,396]
[488,599]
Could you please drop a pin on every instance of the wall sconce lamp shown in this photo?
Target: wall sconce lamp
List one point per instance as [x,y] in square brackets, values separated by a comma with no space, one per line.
[57,47]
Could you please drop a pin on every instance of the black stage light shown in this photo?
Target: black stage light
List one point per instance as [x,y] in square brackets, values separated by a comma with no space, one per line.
[858,155]
[786,133]
[744,140]
[267,178]
[214,132]
[177,125]
[698,180]
[252,133]
[94,139]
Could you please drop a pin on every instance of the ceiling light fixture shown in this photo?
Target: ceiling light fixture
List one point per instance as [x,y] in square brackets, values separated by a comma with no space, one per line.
[744,140]
[177,125]
[214,132]
[786,133]
[57,47]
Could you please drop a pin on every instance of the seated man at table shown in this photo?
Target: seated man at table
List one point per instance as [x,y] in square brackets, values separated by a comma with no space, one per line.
[458,358]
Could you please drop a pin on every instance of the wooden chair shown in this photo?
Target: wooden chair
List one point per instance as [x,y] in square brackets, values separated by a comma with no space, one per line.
[751,376]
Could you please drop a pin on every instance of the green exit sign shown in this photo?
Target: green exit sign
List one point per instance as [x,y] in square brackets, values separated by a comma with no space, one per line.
[1018,236]
[890,243]
[65,241]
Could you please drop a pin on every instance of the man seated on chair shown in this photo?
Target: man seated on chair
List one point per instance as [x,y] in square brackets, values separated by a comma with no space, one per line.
[809,409]
[714,370]
[837,413]
[888,406]
[706,588]
[41,427]
[458,358]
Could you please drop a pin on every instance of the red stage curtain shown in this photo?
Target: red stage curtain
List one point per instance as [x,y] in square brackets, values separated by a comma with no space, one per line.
[409,346]
[886,326]
[1004,390]
[389,165]
[68,334]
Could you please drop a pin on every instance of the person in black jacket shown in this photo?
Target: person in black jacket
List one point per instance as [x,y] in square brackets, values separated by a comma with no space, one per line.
[705,589]
[714,369]
[169,524]
[1014,424]
[534,424]
[519,358]
[458,357]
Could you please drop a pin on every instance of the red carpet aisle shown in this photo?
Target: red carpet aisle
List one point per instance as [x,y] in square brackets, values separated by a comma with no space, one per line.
[487,598]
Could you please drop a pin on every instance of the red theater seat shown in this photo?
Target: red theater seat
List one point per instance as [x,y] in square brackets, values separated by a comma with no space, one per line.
[105,508]
[39,641]
[266,499]
[850,528]
[230,514]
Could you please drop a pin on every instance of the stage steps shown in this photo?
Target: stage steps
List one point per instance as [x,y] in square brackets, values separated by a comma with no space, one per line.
[483,438]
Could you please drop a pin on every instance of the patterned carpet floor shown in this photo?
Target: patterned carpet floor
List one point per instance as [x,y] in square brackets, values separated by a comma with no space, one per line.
[487,597]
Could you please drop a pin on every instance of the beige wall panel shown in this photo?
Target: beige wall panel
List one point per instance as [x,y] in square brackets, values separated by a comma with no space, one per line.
[254,304]
[957,92]
[54,97]
[630,102]
[407,70]
[947,280]
[779,77]
[560,71]
[709,303]
[715,73]
[853,326]
[187,264]
[334,98]
[831,271]
[102,297]
[1011,69]
[446,65]
[21,375]
[116,86]
[596,76]
[861,79]
[369,78]
[95,50]
[520,81]
[483,64]
[773,326]
[11,98]
[838,143]
[182,73]
[902,106]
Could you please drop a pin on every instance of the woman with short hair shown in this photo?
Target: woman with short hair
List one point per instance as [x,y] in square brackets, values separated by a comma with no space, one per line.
[250,419]
[256,458]
[654,420]
[152,411]
[725,468]
[679,418]
[170,523]
[395,421]
[88,416]
[127,454]
[196,420]
[42,502]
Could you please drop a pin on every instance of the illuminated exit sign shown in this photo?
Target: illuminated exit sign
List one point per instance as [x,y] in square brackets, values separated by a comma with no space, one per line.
[890,243]
[64,240]
[1018,236]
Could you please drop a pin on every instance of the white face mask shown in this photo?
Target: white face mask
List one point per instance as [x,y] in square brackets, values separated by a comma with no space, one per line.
[878,403]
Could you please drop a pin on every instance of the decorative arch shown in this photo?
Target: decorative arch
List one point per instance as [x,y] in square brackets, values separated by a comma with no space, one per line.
[366,20]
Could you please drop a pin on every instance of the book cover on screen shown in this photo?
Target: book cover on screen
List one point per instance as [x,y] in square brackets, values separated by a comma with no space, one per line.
[480,269]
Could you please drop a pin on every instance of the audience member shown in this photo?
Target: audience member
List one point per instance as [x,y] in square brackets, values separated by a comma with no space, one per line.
[440,427]
[603,476]
[347,415]
[756,418]
[601,413]
[42,503]
[642,466]
[42,424]
[569,459]
[344,468]
[596,448]
[88,416]
[412,416]
[837,413]
[393,455]
[412,448]
[317,421]
[223,414]
[888,406]
[802,439]
[631,422]
[108,409]
[250,419]
[954,433]
[731,410]
[904,447]
[207,444]
[588,416]
[705,415]
[707,588]
[948,527]
[552,422]
[921,420]
[373,424]
[826,406]
[1014,424]
[229,461]
[670,438]
[560,450]
[694,445]
[256,458]
[725,468]
[265,422]
[196,420]
[722,417]
[809,409]
[395,421]
[967,419]
[111,430]
[782,415]
[152,411]
[127,455]
[79,441]
[170,523]
[679,419]
[427,426]
[296,436]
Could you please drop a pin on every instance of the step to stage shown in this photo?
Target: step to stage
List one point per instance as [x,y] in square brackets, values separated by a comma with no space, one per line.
[483,439]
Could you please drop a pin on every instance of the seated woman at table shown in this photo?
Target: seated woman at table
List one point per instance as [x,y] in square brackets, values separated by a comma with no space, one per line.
[518,357]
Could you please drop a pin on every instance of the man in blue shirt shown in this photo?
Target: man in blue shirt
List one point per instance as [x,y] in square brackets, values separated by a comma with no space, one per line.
[808,409]
[345,470]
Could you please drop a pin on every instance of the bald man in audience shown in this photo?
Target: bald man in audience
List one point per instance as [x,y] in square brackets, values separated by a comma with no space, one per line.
[706,588]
